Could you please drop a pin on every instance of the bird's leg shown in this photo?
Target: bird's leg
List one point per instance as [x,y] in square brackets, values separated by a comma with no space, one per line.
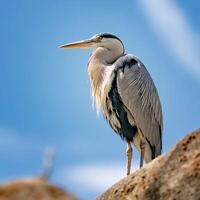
[142,147]
[129,157]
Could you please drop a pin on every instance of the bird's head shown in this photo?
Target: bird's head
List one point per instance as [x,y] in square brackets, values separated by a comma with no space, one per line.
[106,40]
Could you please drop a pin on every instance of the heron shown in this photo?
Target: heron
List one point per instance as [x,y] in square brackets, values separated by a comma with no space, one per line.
[123,89]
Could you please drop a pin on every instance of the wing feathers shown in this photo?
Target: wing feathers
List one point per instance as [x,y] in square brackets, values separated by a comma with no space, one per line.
[139,95]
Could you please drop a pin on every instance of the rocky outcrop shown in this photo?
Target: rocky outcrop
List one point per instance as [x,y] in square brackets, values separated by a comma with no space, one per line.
[33,189]
[173,176]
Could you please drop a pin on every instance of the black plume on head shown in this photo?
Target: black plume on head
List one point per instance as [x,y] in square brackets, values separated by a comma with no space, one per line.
[108,35]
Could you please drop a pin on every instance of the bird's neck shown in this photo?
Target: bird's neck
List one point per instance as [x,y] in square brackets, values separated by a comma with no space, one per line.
[100,62]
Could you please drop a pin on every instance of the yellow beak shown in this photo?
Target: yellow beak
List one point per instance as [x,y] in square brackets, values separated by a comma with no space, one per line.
[80,44]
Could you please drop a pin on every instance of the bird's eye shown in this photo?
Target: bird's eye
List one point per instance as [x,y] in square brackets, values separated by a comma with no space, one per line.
[99,38]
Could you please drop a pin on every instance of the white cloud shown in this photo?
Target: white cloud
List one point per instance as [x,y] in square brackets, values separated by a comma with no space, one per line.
[18,142]
[176,32]
[8,138]
[95,176]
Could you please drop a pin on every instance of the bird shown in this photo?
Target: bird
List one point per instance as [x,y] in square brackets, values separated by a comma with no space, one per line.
[123,89]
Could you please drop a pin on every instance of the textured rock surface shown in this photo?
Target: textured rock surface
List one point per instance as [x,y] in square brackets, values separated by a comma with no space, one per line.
[173,176]
[32,189]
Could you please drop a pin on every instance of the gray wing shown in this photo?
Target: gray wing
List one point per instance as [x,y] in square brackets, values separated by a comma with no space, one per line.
[140,97]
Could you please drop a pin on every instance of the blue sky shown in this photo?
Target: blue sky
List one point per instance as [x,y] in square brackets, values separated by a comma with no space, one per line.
[45,96]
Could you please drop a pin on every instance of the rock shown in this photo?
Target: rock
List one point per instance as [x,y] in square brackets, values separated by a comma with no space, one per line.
[37,188]
[173,176]
[32,189]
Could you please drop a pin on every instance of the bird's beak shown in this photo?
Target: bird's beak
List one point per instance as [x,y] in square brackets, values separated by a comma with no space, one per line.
[89,43]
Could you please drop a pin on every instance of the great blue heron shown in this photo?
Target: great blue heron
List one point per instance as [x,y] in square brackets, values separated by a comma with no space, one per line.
[122,86]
